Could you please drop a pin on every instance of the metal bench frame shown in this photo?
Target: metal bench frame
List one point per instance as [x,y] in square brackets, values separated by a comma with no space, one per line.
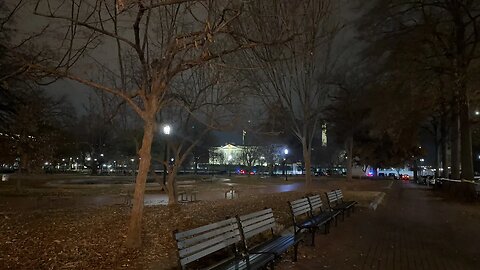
[336,202]
[260,222]
[317,210]
[302,208]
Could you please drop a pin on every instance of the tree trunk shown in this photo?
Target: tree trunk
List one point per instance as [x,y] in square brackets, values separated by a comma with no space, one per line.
[349,146]
[466,135]
[24,168]
[415,170]
[444,145]
[307,157]
[436,153]
[172,186]
[437,161]
[134,229]
[18,185]
[454,144]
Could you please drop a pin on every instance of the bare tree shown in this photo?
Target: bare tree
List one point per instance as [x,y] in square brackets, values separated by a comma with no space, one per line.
[203,100]
[291,76]
[250,155]
[348,114]
[140,47]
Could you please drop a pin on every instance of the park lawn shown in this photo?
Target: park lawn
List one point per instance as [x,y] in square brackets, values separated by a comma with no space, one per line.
[93,237]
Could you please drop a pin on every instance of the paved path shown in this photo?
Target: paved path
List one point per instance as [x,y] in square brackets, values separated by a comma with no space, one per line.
[412,229]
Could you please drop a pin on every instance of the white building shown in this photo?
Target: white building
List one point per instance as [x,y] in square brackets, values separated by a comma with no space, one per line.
[251,155]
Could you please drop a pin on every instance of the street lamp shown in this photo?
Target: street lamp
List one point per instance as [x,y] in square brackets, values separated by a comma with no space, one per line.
[285,151]
[166,131]
[229,158]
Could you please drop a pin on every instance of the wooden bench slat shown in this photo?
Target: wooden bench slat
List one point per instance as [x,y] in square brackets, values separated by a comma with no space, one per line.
[209,250]
[300,207]
[277,245]
[201,237]
[298,202]
[205,228]
[259,213]
[251,233]
[301,212]
[211,242]
[248,222]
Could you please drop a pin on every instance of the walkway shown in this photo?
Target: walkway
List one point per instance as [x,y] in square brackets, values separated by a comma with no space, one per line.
[412,229]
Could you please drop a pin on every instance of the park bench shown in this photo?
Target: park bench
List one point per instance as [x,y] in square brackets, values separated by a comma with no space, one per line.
[336,202]
[317,210]
[258,224]
[187,193]
[231,193]
[201,247]
[303,219]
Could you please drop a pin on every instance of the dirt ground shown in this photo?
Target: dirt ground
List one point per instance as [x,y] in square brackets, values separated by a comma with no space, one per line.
[77,226]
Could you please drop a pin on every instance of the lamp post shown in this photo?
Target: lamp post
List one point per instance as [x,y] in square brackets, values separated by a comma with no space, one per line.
[285,151]
[166,131]
[229,162]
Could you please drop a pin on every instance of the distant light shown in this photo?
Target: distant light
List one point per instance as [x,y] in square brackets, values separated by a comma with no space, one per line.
[101,155]
[172,159]
[419,147]
[229,157]
[422,160]
[132,160]
[477,112]
[262,157]
[63,159]
[285,151]
[46,163]
[167,129]
[94,159]
[88,159]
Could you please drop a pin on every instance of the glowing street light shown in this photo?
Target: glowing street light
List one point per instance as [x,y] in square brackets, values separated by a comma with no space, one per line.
[229,158]
[477,113]
[167,129]
[285,151]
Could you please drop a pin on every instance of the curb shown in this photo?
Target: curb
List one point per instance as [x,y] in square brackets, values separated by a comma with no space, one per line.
[374,204]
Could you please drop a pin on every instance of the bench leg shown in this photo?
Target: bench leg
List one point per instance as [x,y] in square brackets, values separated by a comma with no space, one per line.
[295,252]
[313,237]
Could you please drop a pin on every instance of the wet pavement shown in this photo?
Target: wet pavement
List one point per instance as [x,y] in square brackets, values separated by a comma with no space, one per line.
[412,229]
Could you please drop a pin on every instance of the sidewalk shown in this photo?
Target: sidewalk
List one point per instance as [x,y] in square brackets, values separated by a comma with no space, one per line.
[412,229]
